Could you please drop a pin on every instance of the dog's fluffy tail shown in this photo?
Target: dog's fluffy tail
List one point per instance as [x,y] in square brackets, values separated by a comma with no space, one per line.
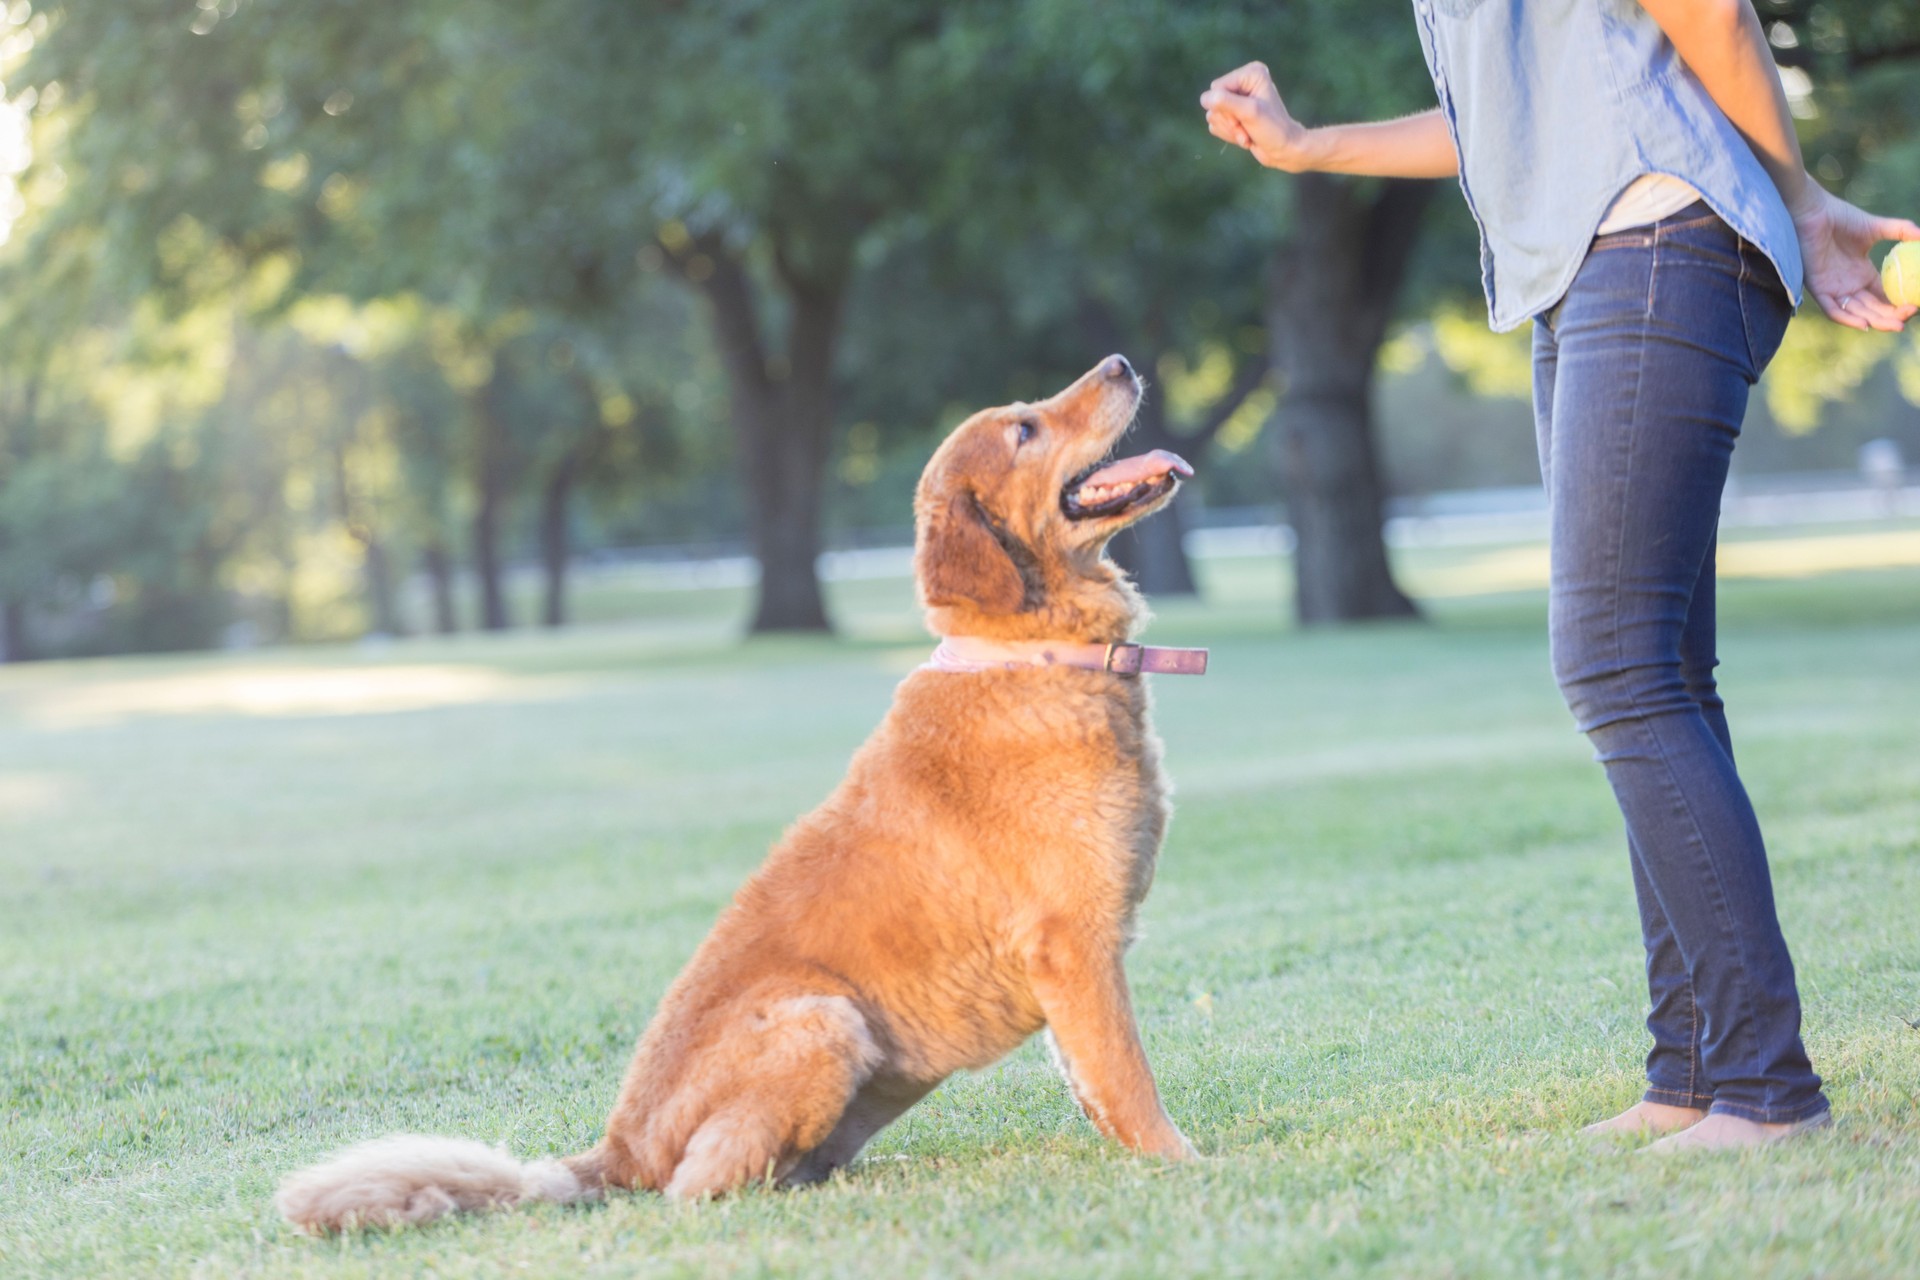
[408,1179]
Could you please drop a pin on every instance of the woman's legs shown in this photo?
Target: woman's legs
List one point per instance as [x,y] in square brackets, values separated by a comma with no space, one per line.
[1678,1093]
[1642,380]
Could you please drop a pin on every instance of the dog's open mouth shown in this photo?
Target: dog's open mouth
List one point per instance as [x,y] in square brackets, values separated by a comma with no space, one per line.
[1108,489]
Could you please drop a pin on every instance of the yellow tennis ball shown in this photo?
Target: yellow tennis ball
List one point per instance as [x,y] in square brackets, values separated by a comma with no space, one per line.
[1901,274]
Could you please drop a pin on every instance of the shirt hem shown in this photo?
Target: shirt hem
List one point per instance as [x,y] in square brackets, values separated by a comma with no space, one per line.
[1532,311]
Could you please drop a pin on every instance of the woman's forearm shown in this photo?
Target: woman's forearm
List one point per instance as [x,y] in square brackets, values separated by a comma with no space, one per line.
[1244,108]
[1417,146]
[1723,44]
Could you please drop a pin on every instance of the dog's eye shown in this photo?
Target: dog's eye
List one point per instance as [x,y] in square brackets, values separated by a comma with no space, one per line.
[1025,432]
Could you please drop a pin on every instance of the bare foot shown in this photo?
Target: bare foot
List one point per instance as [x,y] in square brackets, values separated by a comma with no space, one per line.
[1645,1120]
[1724,1133]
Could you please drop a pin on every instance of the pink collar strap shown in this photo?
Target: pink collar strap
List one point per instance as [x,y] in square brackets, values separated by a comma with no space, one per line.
[976,653]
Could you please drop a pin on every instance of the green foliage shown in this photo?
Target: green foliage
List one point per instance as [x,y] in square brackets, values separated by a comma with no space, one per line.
[1491,364]
[1003,191]
[1820,363]
[1860,120]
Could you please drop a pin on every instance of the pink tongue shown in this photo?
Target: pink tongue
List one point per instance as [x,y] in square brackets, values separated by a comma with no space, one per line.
[1140,467]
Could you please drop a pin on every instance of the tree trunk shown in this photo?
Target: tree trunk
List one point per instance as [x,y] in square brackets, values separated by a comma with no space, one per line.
[24,413]
[1153,552]
[486,560]
[782,411]
[1329,299]
[785,474]
[380,588]
[13,631]
[374,561]
[439,567]
[490,483]
[555,549]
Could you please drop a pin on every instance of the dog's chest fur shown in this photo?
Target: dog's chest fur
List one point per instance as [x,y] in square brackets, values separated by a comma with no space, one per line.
[984,806]
[1041,788]
[1040,772]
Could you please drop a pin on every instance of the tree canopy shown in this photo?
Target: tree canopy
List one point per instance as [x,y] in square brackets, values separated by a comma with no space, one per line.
[305,302]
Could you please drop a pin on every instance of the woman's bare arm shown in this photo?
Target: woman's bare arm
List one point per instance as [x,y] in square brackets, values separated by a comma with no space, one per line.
[1244,108]
[1721,42]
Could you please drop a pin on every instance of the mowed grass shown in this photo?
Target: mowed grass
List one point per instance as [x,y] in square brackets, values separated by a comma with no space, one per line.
[256,907]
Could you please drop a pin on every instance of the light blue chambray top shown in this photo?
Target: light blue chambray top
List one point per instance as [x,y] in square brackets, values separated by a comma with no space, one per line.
[1555,106]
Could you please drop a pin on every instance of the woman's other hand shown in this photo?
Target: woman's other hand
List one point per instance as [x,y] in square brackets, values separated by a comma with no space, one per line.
[1244,108]
[1834,240]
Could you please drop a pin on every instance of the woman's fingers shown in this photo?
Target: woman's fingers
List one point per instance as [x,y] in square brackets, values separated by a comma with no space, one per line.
[1882,312]
[1228,129]
[1247,81]
[1229,117]
[1877,312]
[1895,229]
[1863,309]
[1838,313]
[1228,125]
[1238,105]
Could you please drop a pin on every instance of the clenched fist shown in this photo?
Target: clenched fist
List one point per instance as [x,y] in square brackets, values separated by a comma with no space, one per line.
[1244,108]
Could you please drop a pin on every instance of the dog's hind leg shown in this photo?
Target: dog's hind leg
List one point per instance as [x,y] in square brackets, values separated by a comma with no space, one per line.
[791,1073]
[875,1107]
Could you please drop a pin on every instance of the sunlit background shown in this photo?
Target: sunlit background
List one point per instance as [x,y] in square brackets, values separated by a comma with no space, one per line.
[460,382]
[349,321]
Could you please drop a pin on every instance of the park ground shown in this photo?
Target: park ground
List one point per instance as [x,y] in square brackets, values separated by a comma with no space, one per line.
[253,907]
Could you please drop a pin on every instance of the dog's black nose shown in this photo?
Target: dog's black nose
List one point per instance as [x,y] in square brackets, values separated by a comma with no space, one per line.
[1116,368]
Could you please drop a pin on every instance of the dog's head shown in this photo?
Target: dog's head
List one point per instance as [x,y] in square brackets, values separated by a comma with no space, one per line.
[1015,509]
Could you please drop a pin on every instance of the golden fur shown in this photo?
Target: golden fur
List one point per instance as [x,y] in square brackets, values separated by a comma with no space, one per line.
[972,880]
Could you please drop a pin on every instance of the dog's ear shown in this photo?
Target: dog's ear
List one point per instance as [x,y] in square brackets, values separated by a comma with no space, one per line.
[961,560]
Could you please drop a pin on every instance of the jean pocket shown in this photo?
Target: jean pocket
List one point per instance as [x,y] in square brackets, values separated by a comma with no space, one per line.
[1765,308]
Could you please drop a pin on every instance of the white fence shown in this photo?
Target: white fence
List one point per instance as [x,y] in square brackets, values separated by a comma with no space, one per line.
[1480,517]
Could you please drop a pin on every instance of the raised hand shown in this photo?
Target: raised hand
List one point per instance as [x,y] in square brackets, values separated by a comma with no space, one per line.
[1243,107]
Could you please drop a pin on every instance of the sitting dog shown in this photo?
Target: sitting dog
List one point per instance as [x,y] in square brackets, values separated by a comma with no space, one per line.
[973,879]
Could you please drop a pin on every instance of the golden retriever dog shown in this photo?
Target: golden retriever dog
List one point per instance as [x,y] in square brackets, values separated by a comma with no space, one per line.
[973,880]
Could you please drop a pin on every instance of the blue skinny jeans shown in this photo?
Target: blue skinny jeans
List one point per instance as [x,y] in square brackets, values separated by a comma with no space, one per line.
[1640,380]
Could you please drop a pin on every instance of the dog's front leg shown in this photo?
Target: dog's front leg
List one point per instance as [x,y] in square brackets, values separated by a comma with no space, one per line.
[1082,991]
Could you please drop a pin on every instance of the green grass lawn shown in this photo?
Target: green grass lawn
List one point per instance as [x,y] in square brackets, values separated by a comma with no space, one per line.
[255,907]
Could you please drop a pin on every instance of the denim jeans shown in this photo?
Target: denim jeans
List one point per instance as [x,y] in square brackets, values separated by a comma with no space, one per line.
[1640,377]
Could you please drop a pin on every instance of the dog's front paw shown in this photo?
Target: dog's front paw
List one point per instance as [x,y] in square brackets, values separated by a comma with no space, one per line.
[1169,1144]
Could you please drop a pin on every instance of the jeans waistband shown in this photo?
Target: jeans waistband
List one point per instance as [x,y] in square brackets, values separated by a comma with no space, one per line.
[1698,221]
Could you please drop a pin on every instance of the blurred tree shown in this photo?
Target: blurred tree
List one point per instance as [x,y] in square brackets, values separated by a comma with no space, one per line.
[1850,68]
[427,426]
[778,145]
[1193,259]
[1338,264]
[1111,226]
[230,136]
[885,212]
